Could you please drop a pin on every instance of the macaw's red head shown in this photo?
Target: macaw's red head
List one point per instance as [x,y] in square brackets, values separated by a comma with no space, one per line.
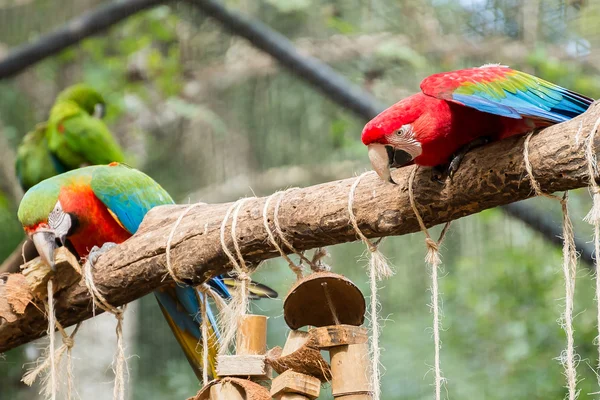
[392,136]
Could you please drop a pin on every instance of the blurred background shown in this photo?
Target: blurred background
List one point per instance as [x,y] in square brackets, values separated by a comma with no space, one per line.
[212,119]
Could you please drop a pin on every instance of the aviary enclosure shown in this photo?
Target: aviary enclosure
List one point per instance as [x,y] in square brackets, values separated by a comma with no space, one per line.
[249,113]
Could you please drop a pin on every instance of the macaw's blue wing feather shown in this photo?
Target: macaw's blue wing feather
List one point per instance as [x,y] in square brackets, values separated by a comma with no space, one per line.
[180,307]
[218,286]
[128,193]
[503,91]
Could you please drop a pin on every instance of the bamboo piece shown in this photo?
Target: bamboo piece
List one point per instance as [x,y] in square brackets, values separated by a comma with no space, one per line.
[251,336]
[251,346]
[350,370]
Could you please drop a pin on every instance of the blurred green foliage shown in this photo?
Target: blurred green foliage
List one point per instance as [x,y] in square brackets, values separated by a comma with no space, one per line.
[195,106]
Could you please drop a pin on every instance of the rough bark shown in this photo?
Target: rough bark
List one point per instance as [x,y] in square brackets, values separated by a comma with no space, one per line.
[317,216]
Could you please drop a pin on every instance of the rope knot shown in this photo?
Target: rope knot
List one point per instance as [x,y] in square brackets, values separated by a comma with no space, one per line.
[432,245]
[69,342]
[243,276]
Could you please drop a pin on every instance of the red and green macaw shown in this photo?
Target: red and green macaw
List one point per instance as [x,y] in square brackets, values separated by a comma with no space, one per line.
[74,136]
[104,204]
[459,110]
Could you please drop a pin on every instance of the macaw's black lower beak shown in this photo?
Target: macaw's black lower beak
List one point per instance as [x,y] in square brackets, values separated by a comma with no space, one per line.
[397,157]
[45,244]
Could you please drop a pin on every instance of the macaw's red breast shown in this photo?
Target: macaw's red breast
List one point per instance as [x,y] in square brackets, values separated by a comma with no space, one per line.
[95,224]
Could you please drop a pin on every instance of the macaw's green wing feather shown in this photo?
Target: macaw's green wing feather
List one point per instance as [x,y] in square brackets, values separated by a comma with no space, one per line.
[504,91]
[34,163]
[77,138]
[128,193]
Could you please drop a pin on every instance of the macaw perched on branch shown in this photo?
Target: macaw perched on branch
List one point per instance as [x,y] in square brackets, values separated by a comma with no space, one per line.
[101,205]
[74,136]
[459,110]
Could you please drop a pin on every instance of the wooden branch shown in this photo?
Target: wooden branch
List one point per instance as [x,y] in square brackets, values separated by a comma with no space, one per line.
[317,216]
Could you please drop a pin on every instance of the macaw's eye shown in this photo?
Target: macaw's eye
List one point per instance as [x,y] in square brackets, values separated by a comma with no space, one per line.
[404,130]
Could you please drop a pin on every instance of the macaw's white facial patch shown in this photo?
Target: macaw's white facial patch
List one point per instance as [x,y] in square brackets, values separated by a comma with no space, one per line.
[404,139]
[59,222]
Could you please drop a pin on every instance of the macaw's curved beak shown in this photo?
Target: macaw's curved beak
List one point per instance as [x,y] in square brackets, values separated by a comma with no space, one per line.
[385,157]
[45,244]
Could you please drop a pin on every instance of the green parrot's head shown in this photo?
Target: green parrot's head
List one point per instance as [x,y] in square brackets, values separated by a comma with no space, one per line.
[85,97]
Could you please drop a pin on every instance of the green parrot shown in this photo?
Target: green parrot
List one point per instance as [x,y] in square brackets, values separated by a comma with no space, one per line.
[74,136]
[34,162]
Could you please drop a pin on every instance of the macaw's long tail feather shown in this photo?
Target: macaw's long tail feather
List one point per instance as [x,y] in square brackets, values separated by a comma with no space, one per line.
[256,290]
[180,306]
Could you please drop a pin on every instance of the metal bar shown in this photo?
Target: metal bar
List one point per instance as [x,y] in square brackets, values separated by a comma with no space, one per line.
[329,82]
[73,32]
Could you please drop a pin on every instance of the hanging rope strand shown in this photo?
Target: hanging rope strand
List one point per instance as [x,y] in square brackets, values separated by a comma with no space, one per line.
[239,299]
[378,269]
[51,331]
[120,361]
[593,217]
[568,356]
[434,261]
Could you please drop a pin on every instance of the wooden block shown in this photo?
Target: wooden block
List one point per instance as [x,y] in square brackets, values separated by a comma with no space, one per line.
[338,335]
[350,367]
[294,382]
[251,336]
[37,272]
[252,365]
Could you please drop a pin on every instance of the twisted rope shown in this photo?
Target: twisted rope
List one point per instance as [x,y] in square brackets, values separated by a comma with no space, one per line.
[239,299]
[434,261]
[593,218]
[568,358]
[120,361]
[378,269]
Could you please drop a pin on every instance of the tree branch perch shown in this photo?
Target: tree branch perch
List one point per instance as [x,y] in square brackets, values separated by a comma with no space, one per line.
[317,216]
